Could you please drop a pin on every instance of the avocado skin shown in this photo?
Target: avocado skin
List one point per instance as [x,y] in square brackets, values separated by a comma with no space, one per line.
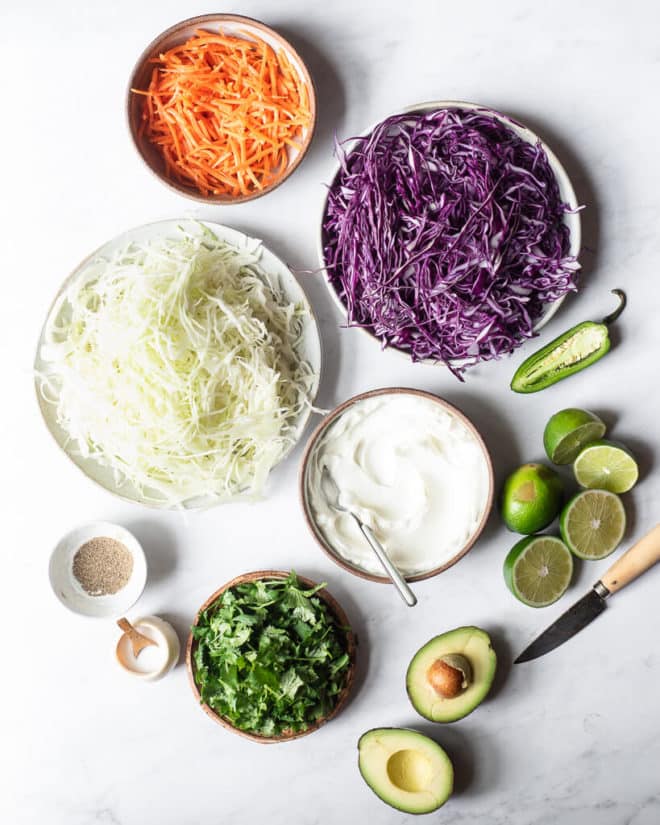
[483,659]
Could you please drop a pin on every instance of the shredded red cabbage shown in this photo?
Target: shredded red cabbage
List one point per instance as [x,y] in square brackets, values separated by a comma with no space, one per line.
[444,236]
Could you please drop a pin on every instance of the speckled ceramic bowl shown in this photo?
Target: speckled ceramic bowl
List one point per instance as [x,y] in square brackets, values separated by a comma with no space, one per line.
[237,25]
[566,192]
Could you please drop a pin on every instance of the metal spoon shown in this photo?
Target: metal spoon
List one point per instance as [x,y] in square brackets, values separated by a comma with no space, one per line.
[331,493]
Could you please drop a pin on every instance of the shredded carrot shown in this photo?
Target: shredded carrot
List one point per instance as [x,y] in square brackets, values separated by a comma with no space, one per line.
[225,113]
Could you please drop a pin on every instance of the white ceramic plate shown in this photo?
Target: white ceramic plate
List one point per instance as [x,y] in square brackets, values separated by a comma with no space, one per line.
[310,347]
[72,595]
[566,192]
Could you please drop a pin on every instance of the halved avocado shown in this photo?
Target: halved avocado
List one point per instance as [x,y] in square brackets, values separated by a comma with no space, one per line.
[405,769]
[451,674]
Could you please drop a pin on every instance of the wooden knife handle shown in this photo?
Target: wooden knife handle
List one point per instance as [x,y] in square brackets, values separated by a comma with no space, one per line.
[634,562]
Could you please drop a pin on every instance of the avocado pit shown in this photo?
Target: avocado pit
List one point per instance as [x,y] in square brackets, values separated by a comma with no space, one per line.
[450,675]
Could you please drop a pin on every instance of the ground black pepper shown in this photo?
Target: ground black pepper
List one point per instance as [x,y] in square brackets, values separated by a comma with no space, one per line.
[102,566]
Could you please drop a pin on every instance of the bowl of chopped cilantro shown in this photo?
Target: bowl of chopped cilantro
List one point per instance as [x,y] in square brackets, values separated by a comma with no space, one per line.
[271,656]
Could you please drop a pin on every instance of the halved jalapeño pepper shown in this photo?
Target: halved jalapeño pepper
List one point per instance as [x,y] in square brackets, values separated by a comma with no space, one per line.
[571,352]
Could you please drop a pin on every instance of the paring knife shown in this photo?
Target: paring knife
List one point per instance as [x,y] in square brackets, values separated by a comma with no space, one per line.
[631,564]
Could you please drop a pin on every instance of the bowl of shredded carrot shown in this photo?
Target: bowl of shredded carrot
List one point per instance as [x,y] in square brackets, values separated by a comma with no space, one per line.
[221,108]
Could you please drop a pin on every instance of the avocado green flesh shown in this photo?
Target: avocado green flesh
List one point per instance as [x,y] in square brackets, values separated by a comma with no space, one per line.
[475,645]
[405,769]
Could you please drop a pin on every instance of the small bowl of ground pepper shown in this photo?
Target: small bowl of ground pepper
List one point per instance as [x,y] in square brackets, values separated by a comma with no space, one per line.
[98,570]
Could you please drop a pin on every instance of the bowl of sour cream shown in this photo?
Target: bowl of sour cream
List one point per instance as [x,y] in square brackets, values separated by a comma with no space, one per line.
[413,468]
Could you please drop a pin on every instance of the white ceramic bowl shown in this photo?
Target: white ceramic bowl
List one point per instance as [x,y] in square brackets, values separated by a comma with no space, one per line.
[69,591]
[566,192]
[309,348]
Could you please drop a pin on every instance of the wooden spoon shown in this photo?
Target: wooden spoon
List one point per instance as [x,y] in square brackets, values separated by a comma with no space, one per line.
[138,640]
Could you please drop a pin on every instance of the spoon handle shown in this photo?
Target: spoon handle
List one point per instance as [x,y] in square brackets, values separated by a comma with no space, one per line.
[125,625]
[399,582]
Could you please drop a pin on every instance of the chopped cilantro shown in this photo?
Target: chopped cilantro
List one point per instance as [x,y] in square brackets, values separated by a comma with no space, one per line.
[270,656]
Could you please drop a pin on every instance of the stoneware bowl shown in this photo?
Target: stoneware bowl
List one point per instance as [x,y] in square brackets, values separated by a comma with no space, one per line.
[72,595]
[351,647]
[566,192]
[303,483]
[236,25]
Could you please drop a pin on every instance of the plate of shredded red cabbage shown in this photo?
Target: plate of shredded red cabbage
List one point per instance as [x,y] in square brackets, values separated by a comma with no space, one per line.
[450,233]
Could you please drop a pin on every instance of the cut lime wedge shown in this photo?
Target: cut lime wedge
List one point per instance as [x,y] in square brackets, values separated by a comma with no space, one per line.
[568,431]
[593,523]
[538,570]
[604,465]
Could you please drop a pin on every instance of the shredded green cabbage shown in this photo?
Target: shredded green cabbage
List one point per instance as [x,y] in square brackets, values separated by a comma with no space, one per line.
[176,364]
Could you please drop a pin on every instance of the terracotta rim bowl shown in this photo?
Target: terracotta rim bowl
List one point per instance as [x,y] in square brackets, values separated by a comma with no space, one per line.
[178,34]
[330,419]
[351,648]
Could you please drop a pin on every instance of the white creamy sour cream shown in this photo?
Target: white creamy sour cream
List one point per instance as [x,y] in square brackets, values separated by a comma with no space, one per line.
[411,470]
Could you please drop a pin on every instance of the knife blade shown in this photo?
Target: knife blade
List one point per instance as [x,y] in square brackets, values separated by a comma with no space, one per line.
[635,561]
[568,624]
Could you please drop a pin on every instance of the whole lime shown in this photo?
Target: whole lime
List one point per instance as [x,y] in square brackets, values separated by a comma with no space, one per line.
[531,498]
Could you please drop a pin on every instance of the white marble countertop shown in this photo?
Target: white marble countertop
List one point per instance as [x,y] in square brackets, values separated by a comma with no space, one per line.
[573,738]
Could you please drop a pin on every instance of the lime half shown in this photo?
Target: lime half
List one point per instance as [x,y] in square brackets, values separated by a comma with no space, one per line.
[538,570]
[568,431]
[593,523]
[604,465]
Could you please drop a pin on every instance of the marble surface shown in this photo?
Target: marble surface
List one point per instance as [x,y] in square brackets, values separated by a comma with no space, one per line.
[573,738]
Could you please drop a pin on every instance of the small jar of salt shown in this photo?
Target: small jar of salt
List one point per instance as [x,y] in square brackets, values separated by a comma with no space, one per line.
[155,661]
